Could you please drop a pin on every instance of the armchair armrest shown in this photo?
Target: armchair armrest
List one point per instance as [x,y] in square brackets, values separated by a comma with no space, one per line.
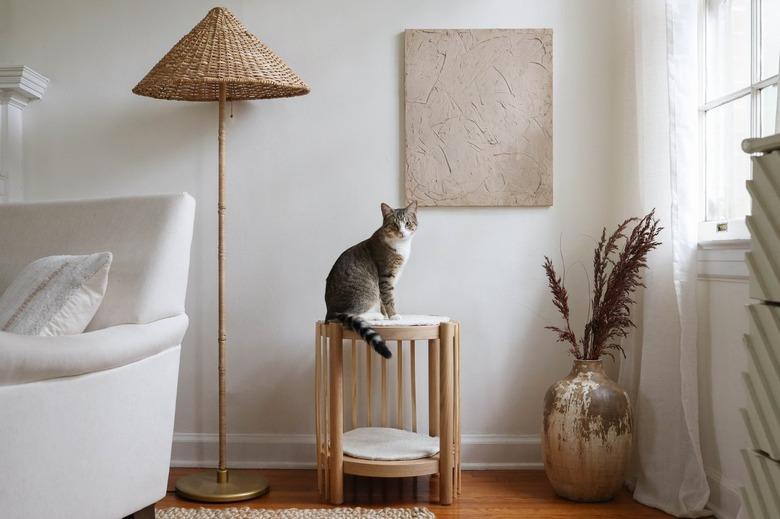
[25,359]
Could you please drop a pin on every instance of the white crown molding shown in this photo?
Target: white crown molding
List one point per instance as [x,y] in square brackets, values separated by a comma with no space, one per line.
[20,84]
[296,451]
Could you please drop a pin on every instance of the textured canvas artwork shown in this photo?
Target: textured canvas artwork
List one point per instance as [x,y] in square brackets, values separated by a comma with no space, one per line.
[479,117]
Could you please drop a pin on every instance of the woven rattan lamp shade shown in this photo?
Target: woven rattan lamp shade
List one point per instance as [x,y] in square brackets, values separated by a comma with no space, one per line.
[220,50]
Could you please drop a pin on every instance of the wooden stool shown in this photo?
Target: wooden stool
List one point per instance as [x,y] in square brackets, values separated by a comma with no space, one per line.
[443,373]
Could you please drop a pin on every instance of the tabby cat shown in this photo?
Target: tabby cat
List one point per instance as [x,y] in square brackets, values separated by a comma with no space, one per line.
[364,276]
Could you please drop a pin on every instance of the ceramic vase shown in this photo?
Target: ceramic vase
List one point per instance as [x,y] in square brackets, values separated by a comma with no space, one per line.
[587,434]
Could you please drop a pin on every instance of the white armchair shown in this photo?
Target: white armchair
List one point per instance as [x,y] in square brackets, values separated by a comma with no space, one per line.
[86,421]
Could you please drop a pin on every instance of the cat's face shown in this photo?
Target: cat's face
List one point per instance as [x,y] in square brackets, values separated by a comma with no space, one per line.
[399,224]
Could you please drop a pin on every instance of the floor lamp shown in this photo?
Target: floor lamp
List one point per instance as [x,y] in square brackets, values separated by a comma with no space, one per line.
[220,60]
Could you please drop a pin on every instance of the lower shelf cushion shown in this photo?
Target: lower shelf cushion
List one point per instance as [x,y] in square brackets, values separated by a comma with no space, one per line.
[388,444]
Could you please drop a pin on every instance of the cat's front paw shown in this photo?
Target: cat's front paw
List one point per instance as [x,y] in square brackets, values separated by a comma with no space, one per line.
[395,317]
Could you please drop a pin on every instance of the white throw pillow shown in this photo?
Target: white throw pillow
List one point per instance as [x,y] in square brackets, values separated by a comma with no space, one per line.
[55,295]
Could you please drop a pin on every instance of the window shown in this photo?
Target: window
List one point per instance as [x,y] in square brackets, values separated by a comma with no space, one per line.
[740,44]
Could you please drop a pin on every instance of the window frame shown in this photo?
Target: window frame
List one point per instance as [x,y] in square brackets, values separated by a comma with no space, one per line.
[736,228]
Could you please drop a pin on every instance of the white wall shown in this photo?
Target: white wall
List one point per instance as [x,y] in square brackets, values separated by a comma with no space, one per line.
[305,179]
[723,294]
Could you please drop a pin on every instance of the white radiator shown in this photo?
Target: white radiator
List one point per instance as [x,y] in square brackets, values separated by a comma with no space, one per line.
[761,493]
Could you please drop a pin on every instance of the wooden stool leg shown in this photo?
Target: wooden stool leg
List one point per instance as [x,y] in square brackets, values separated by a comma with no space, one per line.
[335,333]
[317,400]
[433,387]
[446,419]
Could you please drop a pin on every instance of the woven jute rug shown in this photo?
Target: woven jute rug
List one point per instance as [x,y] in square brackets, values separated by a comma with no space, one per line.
[294,513]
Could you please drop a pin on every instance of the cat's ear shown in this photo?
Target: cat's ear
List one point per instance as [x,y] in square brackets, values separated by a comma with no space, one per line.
[412,207]
[386,209]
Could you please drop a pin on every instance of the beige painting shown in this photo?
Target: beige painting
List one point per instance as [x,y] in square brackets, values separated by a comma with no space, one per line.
[479,117]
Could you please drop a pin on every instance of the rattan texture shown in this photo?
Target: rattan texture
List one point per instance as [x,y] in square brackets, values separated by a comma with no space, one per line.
[295,513]
[220,50]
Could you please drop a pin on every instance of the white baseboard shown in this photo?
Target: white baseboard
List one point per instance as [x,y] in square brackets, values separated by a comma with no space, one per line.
[296,451]
[724,495]
[480,452]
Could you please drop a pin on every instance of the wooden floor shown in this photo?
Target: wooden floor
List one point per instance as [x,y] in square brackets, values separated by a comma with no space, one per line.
[486,494]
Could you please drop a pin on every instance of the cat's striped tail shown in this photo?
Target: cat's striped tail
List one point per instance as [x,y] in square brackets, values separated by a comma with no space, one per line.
[368,334]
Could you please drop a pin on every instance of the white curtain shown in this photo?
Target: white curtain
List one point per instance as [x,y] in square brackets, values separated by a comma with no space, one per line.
[661,369]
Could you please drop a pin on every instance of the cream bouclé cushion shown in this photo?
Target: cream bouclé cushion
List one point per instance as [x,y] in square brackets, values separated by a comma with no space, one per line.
[55,295]
[377,319]
[384,443]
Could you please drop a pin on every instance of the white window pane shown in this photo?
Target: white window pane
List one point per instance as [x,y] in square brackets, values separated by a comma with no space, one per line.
[728,46]
[768,110]
[726,166]
[770,37]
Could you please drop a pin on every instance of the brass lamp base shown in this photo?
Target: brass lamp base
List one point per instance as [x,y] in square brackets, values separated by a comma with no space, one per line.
[222,486]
